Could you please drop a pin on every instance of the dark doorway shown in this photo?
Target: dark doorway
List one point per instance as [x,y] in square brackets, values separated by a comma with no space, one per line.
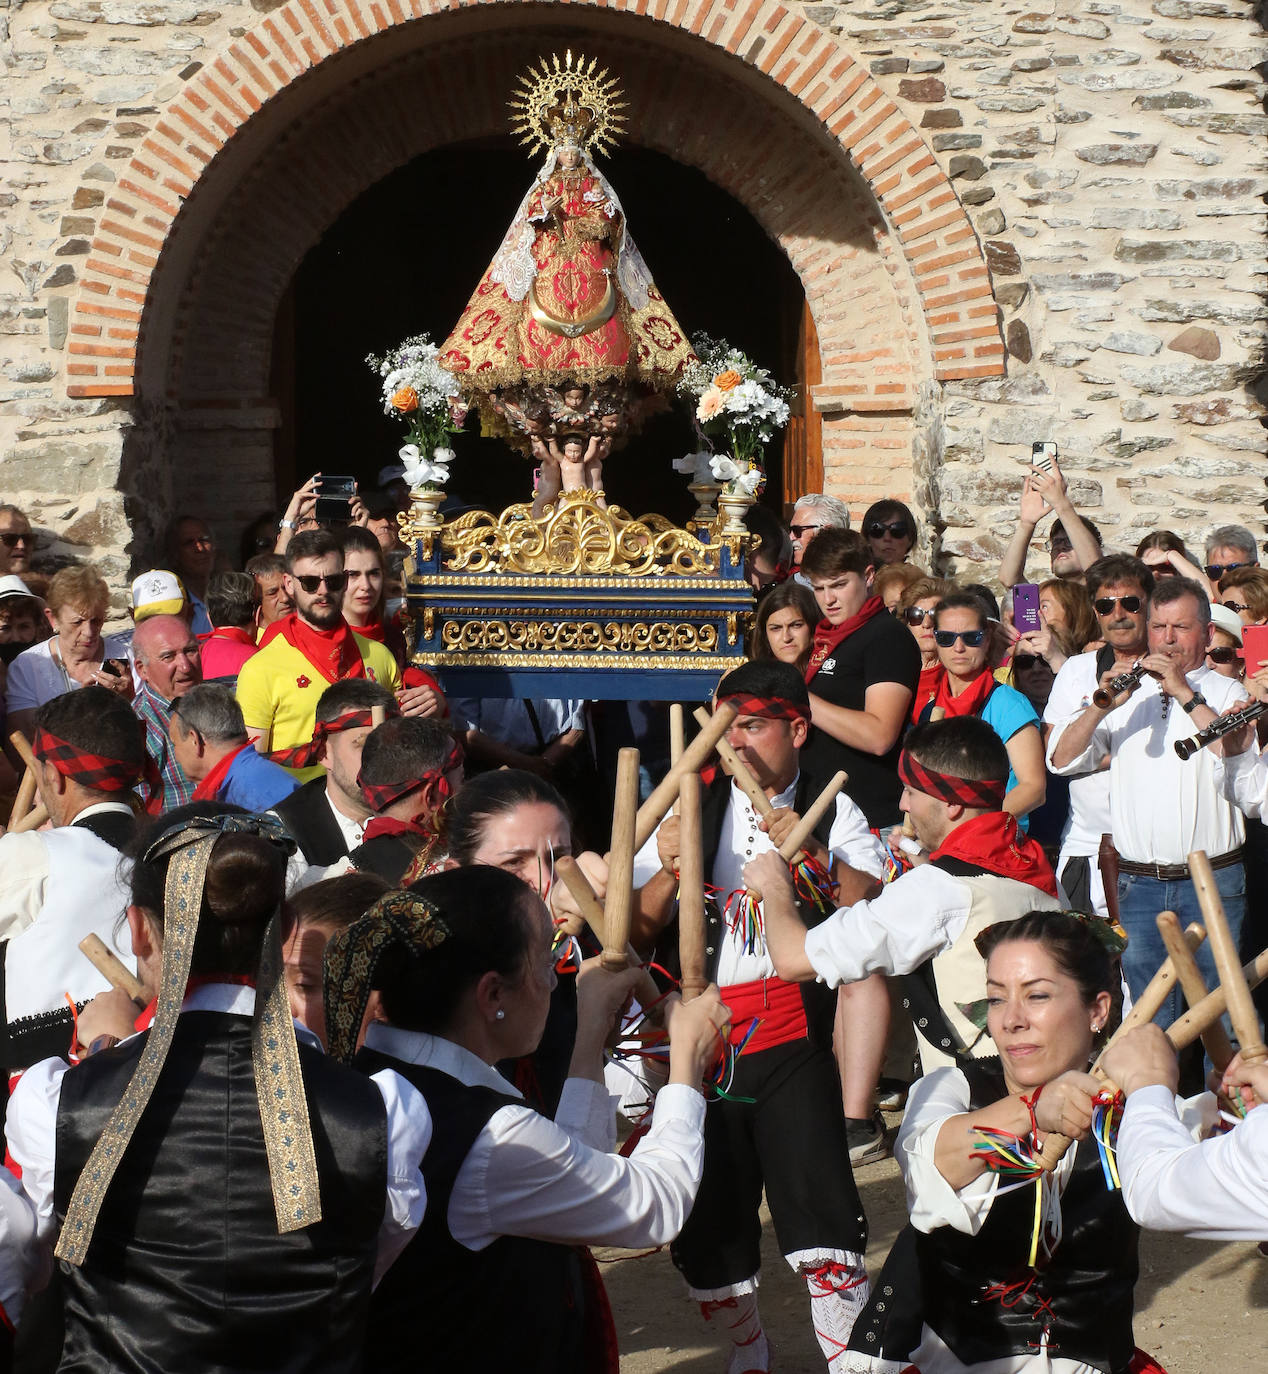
[404,259]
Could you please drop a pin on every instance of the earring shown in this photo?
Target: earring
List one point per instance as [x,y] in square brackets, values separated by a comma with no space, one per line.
[499,1015]
[1096,1027]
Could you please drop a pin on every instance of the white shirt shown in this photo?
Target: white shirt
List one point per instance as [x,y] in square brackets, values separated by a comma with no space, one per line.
[36,676]
[849,840]
[1089,817]
[1243,779]
[507,719]
[31,1129]
[1217,1189]
[299,874]
[1162,808]
[556,1180]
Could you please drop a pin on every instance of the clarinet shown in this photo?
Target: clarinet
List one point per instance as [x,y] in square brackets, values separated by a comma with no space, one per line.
[1221,726]
[1124,682]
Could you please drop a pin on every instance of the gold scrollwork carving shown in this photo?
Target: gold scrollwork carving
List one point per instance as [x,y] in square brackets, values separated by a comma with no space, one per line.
[575,536]
[572,636]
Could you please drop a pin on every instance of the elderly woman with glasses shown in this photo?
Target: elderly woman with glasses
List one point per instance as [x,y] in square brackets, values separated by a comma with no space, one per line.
[969,688]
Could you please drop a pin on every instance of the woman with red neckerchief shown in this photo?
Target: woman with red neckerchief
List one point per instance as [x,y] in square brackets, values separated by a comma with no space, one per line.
[862,674]
[969,688]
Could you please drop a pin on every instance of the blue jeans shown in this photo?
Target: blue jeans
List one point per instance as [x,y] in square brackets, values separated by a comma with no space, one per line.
[1140,900]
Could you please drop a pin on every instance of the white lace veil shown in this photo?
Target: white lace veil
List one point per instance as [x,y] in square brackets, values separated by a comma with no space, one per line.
[514,267]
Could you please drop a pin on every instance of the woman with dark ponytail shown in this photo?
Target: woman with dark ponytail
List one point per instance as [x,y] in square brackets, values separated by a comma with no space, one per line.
[496,1278]
[1007,1267]
[219,1192]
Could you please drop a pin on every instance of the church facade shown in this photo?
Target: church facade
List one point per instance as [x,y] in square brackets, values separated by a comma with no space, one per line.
[1011,222]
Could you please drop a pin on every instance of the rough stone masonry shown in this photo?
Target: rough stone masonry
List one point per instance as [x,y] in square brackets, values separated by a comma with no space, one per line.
[1111,157]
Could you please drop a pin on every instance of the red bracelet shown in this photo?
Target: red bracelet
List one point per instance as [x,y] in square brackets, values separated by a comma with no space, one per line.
[1030,1103]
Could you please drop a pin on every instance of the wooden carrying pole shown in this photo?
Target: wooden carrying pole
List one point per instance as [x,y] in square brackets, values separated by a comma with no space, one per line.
[691,927]
[616,911]
[677,739]
[1144,1009]
[1241,1010]
[1193,985]
[574,879]
[111,968]
[694,757]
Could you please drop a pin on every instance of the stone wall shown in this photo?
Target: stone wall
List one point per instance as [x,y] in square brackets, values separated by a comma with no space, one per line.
[1110,157]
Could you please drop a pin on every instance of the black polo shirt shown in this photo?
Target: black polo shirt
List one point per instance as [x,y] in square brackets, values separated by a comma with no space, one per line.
[881,650]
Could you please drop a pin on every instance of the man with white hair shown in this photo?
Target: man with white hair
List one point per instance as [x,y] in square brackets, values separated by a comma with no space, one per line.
[1229,547]
[814,512]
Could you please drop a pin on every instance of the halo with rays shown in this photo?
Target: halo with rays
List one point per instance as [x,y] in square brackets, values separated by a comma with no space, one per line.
[579,101]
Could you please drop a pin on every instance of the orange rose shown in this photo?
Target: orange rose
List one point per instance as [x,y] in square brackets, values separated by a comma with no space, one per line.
[405,400]
[726,381]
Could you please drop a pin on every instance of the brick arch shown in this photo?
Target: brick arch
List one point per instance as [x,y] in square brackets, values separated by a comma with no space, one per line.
[800,69]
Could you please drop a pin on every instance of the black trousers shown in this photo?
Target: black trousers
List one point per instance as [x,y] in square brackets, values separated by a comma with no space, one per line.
[791,1139]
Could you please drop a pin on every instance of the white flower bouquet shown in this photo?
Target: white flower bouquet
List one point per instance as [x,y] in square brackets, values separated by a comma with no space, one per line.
[735,400]
[425,396]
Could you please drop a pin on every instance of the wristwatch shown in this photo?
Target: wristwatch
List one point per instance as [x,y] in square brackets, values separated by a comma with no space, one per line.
[286,524]
[1196,700]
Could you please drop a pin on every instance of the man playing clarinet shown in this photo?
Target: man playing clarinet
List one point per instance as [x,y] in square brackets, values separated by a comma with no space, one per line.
[781,1123]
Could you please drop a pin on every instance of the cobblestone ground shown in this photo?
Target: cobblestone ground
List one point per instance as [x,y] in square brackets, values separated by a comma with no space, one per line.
[1201,1307]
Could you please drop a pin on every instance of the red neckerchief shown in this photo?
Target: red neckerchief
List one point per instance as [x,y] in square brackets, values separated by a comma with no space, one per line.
[390,825]
[993,842]
[829,637]
[208,789]
[926,689]
[333,653]
[970,701]
[233,633]
[242,980]
[268,633]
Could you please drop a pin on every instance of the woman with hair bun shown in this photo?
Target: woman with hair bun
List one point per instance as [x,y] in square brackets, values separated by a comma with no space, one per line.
[1007,1269]
[220,1193]
[464,969]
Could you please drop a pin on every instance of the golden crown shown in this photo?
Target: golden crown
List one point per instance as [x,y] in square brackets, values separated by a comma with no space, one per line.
[568,102]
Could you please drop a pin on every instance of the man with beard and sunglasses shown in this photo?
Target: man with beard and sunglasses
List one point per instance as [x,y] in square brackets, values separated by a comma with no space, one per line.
[279,687]
[1119,586]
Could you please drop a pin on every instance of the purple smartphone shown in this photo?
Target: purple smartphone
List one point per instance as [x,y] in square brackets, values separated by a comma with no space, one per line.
[1026,607]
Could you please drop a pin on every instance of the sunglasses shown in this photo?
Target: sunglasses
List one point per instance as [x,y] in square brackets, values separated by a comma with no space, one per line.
[1104,605]
[1222,653]
[1236,606]
[944,639]
[1217,570]
[798,530]
[1024,662]
[916,615]
[334,582]
[12,538]
[898,529]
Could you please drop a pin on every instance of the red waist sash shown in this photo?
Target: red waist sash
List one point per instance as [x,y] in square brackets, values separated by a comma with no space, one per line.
[775,1004]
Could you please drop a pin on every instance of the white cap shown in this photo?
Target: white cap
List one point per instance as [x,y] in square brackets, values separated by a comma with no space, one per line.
[157,592]
[1227,620]
[12,585]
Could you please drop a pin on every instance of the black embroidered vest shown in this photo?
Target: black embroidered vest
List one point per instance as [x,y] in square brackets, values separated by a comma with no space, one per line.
[1082,1297]
[517,1304]
[186,1270]
[309,821]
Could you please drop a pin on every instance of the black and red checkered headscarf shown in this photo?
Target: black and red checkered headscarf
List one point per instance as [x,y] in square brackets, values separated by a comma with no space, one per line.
[987,795]
[95,771]
[305,755]
[769,708]
[381,795]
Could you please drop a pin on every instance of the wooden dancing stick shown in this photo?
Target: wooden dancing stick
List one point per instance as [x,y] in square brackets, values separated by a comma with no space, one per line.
[33,819]
[677,739]
[694,757]
[740,771]
[574,879]
[691,927]
[616,912]
[1193,985]
[1144,1009]
[112,968]
[801,832]
[25,798]
[1194,1021]
[1241,1010]
[378,714]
